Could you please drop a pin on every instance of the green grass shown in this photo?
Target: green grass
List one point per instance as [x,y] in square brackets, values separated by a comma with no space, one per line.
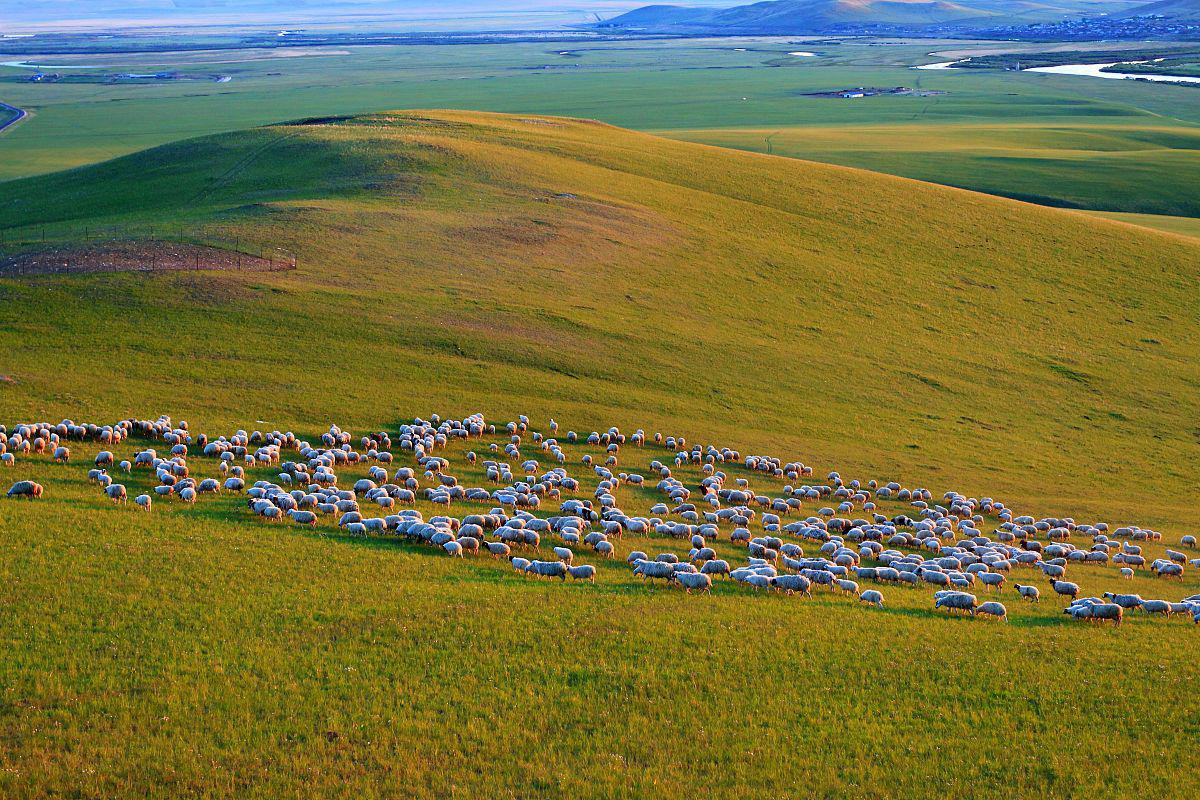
[454,262]
[1185,226]
[200,652]
[1037,137]
[1071,165]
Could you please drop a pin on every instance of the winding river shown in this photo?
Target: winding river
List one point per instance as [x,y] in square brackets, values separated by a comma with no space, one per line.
[1096,71]
[1087,70]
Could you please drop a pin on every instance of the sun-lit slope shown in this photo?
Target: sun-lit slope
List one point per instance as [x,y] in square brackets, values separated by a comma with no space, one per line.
[513,264]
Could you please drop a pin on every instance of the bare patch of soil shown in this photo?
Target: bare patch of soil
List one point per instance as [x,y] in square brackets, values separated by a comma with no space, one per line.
[147,256]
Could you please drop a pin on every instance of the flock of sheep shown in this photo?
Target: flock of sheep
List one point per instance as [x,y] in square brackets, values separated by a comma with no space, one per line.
[935,544]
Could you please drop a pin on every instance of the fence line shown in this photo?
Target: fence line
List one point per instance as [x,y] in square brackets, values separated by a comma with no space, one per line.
[64,248]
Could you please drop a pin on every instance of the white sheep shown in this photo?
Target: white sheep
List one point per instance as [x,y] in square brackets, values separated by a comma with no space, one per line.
[871,597]
[582,572]
[993,609]
[692,580]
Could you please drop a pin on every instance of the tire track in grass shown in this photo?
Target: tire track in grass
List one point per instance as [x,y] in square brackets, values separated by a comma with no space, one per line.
[226,177]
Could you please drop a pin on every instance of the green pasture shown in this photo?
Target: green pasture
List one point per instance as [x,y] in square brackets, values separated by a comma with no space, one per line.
[1019,135]
[199,651]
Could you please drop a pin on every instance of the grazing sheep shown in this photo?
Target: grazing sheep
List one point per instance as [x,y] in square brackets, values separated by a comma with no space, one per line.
[1097,612]
[871,597]
[692,580]
[1129,601]
[27,489]
[941,544]
[956,601]
[582,572]
[993,609]
[653,569]
[1065,588]
[1157,607]
[1170,571]
[992,579]
[548,569]
[1053,570]
[793,584]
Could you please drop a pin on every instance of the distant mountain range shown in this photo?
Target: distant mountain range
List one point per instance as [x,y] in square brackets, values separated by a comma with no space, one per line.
[1182,10]
[816,16]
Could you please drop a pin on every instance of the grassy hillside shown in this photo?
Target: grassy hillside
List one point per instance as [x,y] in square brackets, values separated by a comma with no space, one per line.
[453,262]
[630,250]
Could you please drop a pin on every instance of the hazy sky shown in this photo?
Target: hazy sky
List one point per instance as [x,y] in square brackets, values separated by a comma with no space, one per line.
[19,14]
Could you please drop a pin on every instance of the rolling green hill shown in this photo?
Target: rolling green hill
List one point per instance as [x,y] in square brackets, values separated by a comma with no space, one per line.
[628,249]
[459,262]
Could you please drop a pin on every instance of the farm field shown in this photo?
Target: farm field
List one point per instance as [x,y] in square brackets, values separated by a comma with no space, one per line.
[1058,140]
[455,262]
[1186,226]
[1105,166]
